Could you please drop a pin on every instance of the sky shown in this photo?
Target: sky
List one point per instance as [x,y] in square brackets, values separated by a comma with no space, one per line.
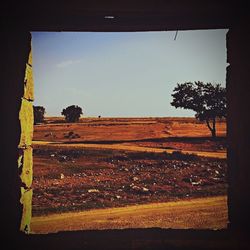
[123,74]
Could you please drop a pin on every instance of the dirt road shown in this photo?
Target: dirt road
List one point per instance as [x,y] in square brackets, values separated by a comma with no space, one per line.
[120,146]
[200,213]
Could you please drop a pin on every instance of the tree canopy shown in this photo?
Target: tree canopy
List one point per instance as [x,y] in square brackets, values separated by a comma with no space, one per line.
[72,113]
[206,99]
[39,112]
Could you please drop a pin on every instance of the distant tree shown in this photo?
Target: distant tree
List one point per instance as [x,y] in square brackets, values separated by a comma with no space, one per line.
[72,113]
[206,99]
[39,112]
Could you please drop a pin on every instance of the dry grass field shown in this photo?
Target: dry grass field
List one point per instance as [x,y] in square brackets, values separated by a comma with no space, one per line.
[195,213]
[105,164]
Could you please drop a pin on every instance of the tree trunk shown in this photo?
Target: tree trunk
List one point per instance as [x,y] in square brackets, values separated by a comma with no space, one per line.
[213,128]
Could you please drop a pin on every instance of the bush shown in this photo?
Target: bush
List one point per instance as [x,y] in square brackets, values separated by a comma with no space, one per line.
[178,155]
[72,113]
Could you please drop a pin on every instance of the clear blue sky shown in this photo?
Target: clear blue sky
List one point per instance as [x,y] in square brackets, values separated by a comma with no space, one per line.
[123,74]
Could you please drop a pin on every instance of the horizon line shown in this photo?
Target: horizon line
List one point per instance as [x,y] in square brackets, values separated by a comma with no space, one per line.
[125,117]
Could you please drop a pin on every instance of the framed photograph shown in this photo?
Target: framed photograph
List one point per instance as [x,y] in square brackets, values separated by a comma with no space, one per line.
[125,125]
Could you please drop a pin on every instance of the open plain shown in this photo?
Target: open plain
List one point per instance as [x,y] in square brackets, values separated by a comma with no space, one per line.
[120,165]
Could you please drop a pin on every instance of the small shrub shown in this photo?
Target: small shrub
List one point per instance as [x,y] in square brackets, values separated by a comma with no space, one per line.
[178,155]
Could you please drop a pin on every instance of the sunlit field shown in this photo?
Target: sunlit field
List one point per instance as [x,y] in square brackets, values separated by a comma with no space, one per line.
[115,169]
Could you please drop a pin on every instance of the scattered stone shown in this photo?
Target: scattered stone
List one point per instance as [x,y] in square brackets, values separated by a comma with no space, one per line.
[62,158]
[145,189]
[118,197]
[93,191]
[196,183]
[135,178]
[135,187]
[215,179]
[62,176]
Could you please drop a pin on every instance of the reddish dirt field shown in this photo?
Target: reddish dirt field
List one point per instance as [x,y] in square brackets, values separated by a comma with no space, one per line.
[85,165]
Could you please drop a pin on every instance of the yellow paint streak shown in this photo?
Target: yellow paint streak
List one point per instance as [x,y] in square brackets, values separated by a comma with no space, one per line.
[28,80]
[25,160]
[26,201]
[27,169]
[26,119]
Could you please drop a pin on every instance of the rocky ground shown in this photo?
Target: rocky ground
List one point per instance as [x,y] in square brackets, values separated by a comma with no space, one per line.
[74,180]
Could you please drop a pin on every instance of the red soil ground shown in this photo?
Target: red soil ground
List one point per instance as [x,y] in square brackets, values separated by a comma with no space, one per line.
[115,162]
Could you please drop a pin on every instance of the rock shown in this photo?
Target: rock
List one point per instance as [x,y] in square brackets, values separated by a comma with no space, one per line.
[62,176]
[135,178]
[196,183]
[215,179]
[62,158]
[118,197]
[217,172]
[93,191]
[135,187]
[145,189]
